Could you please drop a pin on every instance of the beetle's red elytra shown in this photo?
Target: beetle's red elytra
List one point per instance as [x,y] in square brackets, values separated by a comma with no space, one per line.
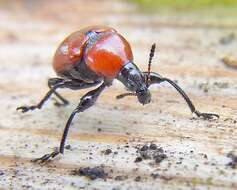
[109,61]
[99,57]
[95,56]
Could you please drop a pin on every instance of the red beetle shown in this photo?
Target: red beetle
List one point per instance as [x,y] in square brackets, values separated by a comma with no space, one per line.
[96,56]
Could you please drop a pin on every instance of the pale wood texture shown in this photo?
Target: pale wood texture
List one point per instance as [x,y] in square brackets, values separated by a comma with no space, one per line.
[188,50]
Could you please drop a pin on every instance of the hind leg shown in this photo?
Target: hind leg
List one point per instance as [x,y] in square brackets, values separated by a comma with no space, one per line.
[51,83]
[59,83]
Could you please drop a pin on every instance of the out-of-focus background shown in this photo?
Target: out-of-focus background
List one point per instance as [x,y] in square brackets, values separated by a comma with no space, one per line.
[196,47]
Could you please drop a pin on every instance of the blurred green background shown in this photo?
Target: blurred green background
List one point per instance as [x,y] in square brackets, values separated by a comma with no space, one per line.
[210,6]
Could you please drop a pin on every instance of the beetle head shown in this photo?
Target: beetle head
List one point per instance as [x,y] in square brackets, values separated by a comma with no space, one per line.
[135,82]
[144,96]
[133,79]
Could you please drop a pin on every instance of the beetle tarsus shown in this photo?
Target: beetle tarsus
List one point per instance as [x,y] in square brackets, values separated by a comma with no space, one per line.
[206,115]
[27,108]
[47,157]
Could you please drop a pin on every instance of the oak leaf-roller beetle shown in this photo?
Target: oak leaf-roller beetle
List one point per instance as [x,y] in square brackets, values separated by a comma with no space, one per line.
[94,56]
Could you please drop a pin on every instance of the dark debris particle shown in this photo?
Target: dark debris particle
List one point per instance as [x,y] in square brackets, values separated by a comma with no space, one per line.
[160,150]
[233,162]
[92,173]
[138,159]
[107,151]
[120,177]
[155,175]
[68,147]
[151,152]
[138,178]
[144,148]
[160,157]
[99,129]
[1,173]
[153,146]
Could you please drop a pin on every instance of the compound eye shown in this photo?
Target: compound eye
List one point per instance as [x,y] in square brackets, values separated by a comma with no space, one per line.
[141,92]
[131,86]
[135,77]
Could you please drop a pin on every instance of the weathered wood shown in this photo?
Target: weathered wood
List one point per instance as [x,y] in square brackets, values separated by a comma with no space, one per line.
[196,149]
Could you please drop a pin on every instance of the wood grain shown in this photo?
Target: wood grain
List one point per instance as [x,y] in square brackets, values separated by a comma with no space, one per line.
[188,51]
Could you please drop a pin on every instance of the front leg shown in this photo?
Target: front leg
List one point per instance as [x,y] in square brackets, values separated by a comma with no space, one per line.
[156,79]
[86,102]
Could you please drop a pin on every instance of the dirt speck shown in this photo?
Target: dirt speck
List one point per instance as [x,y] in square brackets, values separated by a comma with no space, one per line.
[138,178]
[107,151]
[155,175]
[68,147]
[233,162]
[144,148]
[92,173]
[1,173]
[138,159]
[120,177]
[152,152]
[153,146]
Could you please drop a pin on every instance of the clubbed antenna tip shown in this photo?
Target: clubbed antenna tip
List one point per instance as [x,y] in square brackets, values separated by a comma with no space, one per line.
[152,52]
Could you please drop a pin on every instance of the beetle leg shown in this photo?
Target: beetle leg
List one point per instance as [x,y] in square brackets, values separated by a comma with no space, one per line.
[52,82]
[71,84]
[86,102]
[46,97]
[156,79]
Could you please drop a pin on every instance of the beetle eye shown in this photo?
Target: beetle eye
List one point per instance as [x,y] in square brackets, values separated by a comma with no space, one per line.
[135,77]
[131,86]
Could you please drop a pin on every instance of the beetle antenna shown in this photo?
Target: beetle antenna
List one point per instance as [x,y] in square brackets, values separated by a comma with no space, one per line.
[126,94]
[152,52]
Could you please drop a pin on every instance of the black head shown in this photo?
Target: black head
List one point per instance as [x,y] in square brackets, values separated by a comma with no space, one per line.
[135,81]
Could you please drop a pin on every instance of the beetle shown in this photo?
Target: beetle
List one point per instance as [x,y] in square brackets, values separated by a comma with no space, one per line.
[95,56]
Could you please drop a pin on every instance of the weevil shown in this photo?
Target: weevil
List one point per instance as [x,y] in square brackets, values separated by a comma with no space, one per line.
[95,56]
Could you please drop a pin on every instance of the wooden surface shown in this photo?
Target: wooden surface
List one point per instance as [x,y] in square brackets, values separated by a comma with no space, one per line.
[189,51]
